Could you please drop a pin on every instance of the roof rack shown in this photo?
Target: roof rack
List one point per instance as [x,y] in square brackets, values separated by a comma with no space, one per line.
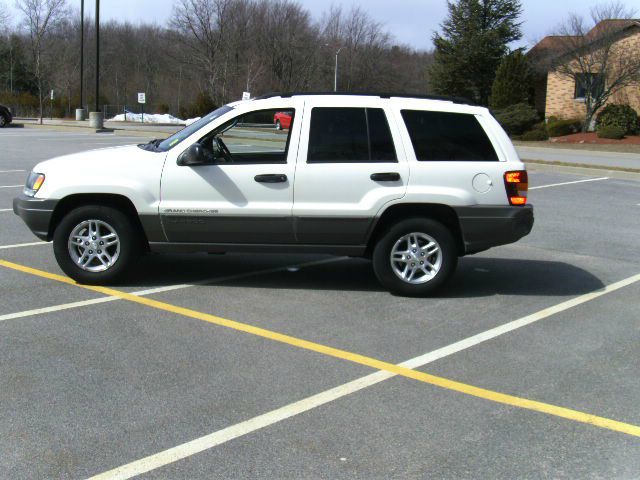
[444,98]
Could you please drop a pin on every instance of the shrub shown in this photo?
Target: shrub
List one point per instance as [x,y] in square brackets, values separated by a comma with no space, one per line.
[517,119]
[622,116]
[613,132]
[162,108]
[560,128]
[202,105]
[535,135]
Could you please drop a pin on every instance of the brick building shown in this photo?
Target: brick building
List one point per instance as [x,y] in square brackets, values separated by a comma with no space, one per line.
[558,95]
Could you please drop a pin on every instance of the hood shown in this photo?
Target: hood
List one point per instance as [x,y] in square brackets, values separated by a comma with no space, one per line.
[119,157]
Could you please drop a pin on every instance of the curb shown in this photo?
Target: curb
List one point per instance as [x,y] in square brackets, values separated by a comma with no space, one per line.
[116,131]
[597,170]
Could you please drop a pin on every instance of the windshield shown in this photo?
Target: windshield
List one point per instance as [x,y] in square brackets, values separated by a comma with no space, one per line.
[178,137]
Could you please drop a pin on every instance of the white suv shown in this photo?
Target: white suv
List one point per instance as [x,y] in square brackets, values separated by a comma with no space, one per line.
[412,183]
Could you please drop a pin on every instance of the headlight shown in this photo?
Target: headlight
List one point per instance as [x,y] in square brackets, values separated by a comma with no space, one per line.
[34,182]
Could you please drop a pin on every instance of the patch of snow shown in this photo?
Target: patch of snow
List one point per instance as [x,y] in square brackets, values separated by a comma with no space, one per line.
[148,118]
[189,121]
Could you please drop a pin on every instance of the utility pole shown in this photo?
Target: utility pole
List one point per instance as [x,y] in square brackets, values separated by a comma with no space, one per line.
[335,77]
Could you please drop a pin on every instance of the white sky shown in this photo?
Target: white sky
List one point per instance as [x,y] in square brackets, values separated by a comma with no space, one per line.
[411,22]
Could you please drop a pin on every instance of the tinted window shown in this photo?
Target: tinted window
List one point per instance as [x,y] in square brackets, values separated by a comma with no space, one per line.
[382,148]
[349,135]
[444,136]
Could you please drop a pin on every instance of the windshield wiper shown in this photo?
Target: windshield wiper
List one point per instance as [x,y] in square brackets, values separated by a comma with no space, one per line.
[152,146]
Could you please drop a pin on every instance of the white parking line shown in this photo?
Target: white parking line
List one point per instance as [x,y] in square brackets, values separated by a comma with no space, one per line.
[214,439]
[22,245]
[11,171]
[6,209]
[168,288]
[11,186]
[569,183]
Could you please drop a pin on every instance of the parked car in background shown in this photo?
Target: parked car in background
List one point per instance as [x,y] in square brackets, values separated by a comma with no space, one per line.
[282,120]
[5,116]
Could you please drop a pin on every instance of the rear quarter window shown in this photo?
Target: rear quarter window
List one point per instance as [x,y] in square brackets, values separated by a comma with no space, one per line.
[446,136]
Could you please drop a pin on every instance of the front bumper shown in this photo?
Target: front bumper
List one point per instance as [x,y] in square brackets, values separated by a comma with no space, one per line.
[36,213]
[486,226]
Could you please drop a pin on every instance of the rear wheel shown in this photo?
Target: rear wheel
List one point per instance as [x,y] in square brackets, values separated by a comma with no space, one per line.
[415,257]
[95,244]
[4,121]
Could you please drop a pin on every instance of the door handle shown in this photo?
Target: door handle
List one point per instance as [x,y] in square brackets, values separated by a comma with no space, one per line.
[271,178]
[385,177]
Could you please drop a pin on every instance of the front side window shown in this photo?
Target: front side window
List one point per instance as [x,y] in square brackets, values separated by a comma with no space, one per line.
[350,135]
[178,137]
[446,136]
[251,138]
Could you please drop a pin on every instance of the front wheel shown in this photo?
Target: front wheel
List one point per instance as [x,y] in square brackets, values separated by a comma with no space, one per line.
[415,257]
[95,244]
[4,121]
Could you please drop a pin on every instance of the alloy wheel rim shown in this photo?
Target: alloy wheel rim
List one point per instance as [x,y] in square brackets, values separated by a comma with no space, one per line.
[416,258]
[94,246]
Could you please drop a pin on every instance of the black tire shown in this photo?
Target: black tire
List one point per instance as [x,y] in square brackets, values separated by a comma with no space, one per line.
[278,125]
[123,226]
[4,121]
[384,269]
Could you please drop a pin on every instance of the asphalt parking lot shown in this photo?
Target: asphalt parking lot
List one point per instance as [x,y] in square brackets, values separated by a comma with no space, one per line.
[286,366]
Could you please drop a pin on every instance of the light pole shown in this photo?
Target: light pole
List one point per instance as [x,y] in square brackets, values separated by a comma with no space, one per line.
[80,114]
[335,77]
[96,119]
[97,55]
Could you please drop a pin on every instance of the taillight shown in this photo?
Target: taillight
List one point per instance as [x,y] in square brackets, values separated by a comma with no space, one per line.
[516,184]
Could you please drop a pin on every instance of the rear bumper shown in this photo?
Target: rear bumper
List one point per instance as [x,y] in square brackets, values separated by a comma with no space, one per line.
[486,226]
[36,213]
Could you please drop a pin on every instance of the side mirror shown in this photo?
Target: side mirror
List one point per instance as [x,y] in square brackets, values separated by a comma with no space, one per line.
[192,156]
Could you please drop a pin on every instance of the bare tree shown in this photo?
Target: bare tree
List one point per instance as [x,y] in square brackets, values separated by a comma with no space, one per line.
[40,17]
[596,57]
[202,27]
[4,17]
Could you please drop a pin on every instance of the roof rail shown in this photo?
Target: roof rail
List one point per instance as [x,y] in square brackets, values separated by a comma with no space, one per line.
[443,98]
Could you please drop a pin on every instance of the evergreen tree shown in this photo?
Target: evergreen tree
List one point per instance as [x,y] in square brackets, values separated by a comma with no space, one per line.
[513,83]
[474,40]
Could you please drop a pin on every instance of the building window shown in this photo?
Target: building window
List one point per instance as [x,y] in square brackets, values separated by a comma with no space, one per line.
[593,82]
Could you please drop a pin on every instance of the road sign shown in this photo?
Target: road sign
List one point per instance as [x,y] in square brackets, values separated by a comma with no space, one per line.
[142,97]
[246,95]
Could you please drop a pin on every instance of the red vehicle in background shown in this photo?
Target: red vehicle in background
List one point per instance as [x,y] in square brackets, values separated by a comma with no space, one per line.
[282,120]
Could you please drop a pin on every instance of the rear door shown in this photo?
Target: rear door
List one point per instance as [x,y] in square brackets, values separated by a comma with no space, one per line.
[350,164]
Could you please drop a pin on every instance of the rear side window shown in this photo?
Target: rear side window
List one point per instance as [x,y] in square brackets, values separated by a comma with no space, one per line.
[350,135]
[445,136]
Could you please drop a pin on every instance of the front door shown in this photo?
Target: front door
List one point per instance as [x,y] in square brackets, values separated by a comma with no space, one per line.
[245,193]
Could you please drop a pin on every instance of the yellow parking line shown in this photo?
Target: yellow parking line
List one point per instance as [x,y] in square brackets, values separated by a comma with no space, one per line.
[349,356]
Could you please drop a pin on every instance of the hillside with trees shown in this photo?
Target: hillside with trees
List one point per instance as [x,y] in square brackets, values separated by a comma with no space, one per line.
[208,54]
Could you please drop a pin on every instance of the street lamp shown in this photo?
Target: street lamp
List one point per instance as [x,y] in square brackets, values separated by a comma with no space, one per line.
[335,77]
